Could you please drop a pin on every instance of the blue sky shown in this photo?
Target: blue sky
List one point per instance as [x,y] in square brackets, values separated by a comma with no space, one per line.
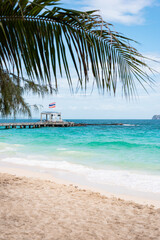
[137,19]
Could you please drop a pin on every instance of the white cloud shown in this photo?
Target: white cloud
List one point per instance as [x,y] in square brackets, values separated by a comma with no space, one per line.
[123,11]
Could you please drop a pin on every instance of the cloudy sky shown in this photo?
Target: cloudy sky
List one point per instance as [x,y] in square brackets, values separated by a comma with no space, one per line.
[137,19]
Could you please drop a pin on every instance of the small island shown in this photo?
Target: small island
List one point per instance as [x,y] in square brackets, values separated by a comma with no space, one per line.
[156,117]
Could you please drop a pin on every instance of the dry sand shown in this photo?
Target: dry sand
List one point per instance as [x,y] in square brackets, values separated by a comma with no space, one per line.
[43,210]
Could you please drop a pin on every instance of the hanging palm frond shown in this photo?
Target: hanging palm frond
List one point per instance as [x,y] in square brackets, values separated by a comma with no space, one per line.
[40,39]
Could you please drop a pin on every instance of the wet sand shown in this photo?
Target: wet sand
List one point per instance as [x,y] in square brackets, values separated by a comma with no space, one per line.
[39,209]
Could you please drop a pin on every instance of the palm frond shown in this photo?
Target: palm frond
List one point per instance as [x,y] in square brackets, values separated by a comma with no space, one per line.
[41,39]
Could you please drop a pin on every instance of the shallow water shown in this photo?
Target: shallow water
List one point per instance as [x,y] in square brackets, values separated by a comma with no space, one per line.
[127,155]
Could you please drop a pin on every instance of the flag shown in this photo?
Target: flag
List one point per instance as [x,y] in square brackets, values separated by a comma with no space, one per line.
[52,105]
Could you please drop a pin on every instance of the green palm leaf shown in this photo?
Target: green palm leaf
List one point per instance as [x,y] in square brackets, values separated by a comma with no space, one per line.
[40,39]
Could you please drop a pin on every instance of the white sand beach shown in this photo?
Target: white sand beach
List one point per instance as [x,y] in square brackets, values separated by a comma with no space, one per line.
[79,120]
[37,206]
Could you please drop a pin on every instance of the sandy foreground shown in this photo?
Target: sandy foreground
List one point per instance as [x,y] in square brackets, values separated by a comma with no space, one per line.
[44,210]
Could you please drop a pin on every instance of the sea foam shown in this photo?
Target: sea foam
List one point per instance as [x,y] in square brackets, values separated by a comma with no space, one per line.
[132,180]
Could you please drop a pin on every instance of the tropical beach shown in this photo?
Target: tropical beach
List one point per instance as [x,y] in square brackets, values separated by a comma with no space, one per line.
[42,209]
[123,159]
[79,120]
[70,193]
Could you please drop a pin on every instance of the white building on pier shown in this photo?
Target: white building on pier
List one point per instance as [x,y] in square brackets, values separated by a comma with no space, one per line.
[51,116]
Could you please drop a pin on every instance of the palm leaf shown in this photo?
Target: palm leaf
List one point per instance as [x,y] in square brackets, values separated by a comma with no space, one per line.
[40,39]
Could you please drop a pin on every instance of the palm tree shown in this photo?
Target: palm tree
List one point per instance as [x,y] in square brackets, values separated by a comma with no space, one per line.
[39,39]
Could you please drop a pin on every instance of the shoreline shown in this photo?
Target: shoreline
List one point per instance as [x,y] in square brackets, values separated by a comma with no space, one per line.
[36,207]
[19,171]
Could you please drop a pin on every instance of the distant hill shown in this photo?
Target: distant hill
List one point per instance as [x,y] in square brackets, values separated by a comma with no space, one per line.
[156,117]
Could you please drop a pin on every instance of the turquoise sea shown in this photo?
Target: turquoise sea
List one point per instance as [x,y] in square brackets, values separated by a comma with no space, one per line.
[127,155]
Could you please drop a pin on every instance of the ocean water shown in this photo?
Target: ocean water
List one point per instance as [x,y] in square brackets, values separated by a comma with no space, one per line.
[126,156]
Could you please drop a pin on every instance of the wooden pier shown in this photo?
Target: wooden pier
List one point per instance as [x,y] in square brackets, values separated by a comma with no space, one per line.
[37,124]
[52,119]
[53,124]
